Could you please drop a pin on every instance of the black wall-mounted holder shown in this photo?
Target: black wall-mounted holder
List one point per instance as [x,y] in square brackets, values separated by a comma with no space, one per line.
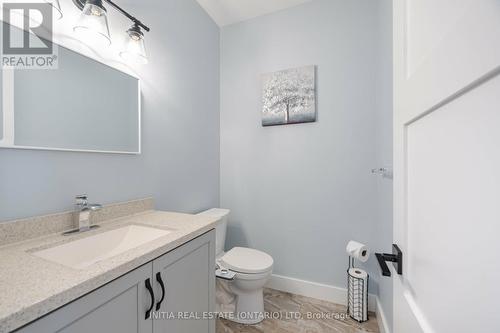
[396,258]
[81,3]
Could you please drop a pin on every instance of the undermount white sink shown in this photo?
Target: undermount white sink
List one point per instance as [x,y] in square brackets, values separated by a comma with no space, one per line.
[84,252]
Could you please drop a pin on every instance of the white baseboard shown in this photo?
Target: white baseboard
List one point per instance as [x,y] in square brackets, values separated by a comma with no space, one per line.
[315,290]
[381,318]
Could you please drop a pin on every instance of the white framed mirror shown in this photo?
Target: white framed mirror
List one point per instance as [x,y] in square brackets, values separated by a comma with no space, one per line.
[83,105]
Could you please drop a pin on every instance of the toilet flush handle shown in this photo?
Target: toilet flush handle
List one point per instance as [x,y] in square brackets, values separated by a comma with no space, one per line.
[225,274]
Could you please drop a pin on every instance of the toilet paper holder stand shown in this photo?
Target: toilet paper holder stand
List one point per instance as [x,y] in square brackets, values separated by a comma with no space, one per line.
[357,295]
[396,258]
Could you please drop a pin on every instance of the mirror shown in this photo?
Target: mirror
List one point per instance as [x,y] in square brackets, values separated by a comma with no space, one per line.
[83,105]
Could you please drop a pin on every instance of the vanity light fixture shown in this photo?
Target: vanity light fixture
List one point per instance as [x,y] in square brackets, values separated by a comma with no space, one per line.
[93,23]
[134,50]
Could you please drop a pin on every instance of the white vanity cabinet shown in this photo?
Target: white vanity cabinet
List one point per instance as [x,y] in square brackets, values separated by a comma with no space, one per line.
[186,299]
[189,279]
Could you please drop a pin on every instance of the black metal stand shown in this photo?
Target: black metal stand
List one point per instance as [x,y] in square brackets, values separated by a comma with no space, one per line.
[357,295]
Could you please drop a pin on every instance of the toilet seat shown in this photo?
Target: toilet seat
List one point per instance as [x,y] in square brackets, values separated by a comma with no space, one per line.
[247,261]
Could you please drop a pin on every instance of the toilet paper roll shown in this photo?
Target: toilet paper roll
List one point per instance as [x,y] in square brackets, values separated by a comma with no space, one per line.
[358,273]
[358,251]
[358,294]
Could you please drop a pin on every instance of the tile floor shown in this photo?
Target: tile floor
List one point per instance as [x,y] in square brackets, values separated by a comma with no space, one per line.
[292,314]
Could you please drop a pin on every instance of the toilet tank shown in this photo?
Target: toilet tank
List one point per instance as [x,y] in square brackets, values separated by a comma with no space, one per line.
[220,229]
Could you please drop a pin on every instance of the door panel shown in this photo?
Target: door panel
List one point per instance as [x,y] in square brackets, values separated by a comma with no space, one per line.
[188,274]
[119,306]
[117,315]
[446,162]
[464,52]
[429,21]
[453,212]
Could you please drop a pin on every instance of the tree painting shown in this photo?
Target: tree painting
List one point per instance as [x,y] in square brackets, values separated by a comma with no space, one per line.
[289,97]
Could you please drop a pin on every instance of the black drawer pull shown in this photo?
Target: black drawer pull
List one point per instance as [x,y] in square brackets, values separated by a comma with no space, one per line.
[151,293]
[160,281]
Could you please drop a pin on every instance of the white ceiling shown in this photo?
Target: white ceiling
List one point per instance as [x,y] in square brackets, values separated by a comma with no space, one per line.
[225,12]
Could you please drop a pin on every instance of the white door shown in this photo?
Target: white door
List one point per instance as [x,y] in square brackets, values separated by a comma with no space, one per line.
[447,165]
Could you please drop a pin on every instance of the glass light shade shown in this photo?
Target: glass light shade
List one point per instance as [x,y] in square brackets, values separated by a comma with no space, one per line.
[92,26]
[134,50]
[56,8]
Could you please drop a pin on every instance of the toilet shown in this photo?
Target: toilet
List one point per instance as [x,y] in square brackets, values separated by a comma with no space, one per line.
[248,269]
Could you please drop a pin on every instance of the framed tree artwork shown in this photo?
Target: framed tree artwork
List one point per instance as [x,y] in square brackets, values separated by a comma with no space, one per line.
[289,96]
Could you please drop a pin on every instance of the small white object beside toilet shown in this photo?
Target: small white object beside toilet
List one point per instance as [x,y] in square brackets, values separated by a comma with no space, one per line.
[251,270]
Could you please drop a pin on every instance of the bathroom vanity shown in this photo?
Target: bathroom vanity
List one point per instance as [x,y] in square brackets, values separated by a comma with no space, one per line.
[164,285]
[148,299]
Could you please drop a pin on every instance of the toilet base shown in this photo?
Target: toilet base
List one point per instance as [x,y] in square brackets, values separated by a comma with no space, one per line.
[249,307]
[248,292]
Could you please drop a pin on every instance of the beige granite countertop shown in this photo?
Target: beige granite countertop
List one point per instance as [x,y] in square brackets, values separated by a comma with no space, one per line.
[31,287]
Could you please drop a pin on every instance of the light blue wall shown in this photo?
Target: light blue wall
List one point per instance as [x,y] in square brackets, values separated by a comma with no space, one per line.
[300,192]
[1,113]
[179,166]
[384,145]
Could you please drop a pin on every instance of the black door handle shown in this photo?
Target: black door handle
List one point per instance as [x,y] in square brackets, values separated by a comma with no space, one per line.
[160,281]
[151,293]
[396,258]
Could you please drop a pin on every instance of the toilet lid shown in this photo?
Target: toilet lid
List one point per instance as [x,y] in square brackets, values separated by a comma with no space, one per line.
[245,260]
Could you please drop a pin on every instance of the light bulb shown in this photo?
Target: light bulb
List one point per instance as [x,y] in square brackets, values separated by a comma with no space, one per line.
[92,26]
[134,50]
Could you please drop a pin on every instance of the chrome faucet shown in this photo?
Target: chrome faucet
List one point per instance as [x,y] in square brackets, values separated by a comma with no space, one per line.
[83,210]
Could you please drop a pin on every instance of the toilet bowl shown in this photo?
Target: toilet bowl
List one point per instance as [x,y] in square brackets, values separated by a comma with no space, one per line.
[251,269]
